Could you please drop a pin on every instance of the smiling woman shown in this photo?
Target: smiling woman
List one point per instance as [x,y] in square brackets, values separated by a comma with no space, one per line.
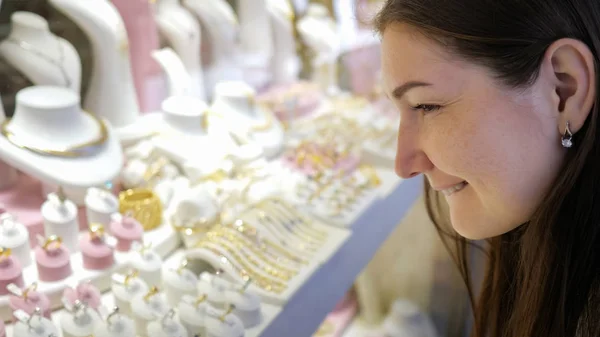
[499,109]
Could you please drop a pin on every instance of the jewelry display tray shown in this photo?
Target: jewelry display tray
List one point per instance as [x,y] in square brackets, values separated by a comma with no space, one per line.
[270,312]
[164,241]
[336,238]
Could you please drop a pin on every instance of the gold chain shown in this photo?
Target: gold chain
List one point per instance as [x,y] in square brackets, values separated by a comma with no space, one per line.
[277,212]
[269,269]
[285,227]
[257,248]
[307,224]
[250,231]
[245,271]
[72,152]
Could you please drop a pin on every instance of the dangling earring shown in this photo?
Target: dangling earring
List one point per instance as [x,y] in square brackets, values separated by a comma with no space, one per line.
[567,138]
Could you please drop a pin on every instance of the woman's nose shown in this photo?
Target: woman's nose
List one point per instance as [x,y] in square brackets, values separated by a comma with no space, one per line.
[410,158]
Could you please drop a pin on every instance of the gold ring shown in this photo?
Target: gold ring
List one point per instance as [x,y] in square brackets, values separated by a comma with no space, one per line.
[5,252]
[153,291]
[200,300]
[50,240]
[230,309]
[182,266]
[32,288]
[145,206]
[133,274]
[96,231]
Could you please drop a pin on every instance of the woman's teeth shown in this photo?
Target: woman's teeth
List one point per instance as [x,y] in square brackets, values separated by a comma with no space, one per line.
[449,191]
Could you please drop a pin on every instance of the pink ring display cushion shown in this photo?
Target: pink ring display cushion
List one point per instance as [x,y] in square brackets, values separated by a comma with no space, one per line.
[53,264]
[126,231]
[96,254]
[34,300]
[86,293]
[24,200]
[11,271]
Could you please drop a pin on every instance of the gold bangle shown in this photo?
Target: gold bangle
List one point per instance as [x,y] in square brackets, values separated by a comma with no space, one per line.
[145,206]
[151,293]
[79,150]
[50,240]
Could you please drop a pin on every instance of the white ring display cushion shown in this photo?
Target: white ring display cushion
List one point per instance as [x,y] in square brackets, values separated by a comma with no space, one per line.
[164,241]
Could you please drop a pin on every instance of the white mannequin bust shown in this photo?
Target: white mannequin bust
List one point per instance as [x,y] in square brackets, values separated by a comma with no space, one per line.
[236,101]
[111,93]
[320,33]
[182,33]
[221,27]
[50,118]
[178,77]
[285,61]
[44,58]
[256,42]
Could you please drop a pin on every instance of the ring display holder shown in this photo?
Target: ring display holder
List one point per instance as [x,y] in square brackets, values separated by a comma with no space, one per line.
[164,241]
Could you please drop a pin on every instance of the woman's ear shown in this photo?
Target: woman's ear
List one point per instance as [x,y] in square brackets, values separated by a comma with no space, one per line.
[569,64]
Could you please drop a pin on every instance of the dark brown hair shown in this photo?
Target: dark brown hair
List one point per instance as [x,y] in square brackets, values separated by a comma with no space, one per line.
[542,279]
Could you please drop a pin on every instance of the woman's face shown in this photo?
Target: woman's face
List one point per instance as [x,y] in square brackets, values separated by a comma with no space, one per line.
[493,151]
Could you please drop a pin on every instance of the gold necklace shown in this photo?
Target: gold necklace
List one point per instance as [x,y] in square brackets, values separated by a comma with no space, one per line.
[74,151]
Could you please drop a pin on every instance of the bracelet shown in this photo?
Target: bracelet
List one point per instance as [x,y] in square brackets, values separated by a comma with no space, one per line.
[144,206]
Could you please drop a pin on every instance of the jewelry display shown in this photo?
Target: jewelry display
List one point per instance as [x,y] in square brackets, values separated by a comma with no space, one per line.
[34,325]
[14,236]
[11,271]
[212,288]
[114,324]
[246,306]
[144,205]
[53,260]
[96,251]
[41,56]
[78,320]
[223,323]
[192,313]
[126,230]
[100,205]
[167,326]
[285,62]
[127,287]
[78,150]
[148,307]
[28,300]
[61,219]
[84,292]
[292,101]
[147,262]
[178,283]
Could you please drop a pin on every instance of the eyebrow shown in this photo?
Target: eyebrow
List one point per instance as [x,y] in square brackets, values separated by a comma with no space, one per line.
[404,88]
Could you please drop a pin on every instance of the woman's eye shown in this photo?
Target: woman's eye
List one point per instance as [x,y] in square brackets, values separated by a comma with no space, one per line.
[427,107]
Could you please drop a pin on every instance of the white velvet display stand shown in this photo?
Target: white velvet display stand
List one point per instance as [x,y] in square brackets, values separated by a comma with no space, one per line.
[111,92]
[222,29]
[42,57]
[285,63]
[178,78]
[320,33]
[8,174]
[256,42]
[14,235]
[60,219]
[50,117]
[182,33]
[236,102]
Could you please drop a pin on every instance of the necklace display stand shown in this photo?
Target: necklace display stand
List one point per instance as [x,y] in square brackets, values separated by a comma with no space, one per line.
[186,128]
[42,57]
[8,174]
[142,32]
[319,31]
[256,38]
[111,93]
[182,33]
[221,30]
[44,137]
[236,102]
[178,78]
[285,61]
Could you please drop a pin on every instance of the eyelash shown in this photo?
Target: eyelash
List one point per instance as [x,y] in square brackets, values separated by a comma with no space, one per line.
[427,108]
